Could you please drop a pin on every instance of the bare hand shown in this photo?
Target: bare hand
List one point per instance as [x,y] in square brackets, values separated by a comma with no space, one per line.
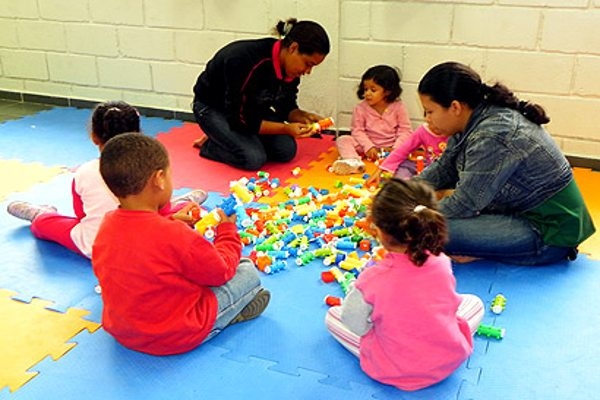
[189,213]
[224,218]
[374,179]
[372,154]
[299,130]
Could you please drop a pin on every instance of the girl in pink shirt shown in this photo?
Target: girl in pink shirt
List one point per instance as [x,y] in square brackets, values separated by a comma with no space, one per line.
[379,122]
[400,164]
[403,317]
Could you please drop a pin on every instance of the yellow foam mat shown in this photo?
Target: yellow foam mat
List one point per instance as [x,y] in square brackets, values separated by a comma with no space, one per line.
[17,176]
[29,332]
[589,182]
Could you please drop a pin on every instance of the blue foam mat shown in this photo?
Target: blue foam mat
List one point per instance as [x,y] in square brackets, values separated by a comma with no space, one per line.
[60,136]
[550,349]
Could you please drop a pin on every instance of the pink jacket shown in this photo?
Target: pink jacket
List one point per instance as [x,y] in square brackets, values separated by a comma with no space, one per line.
[371,129]
[417,339]
[433,144]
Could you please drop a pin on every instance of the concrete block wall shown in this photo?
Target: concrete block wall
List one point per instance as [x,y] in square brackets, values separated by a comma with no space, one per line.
[149,53]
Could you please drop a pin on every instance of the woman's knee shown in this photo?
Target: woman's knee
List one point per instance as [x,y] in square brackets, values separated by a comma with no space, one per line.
[253,160]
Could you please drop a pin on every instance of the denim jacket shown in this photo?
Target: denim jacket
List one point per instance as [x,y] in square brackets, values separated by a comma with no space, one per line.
[502,163]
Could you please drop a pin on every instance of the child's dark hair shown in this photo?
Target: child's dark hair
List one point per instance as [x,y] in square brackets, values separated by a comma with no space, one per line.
[112,118]
[310,36]
[129,160]
[385,76]
[406,210]
[451,81]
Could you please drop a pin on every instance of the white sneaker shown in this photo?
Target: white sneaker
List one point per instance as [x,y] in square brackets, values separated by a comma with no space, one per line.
[28,211]
[198,196]
[347,166]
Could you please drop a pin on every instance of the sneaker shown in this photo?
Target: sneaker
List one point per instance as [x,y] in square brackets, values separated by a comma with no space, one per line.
[254,308]
[198,196]
[28,211]
[347,166]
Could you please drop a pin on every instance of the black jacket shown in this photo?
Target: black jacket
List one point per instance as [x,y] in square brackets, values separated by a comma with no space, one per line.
[240,80]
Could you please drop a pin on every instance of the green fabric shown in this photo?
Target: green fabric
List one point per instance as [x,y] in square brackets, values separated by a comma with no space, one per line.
[563,219]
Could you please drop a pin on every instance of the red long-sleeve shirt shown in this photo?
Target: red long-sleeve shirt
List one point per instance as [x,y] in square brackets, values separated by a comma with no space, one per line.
[155,275]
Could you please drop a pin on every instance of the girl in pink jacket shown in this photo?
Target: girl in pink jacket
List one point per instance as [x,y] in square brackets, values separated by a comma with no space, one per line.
[380,121]
[403,318]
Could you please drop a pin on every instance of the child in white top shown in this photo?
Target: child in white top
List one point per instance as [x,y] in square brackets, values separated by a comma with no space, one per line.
[91,197]
[379,122]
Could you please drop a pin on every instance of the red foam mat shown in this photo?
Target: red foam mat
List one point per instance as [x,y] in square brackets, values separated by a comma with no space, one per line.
[192,171]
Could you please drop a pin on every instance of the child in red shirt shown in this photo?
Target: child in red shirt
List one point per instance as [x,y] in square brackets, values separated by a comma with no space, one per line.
[165,288]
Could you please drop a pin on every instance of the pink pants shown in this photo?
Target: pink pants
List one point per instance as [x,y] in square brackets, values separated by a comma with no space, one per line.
[57,228]
[471,309]
[348,147]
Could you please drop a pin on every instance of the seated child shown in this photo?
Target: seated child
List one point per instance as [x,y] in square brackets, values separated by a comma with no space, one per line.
[165,288]
[380,121]
[398,161]
[403,318]
[91,198]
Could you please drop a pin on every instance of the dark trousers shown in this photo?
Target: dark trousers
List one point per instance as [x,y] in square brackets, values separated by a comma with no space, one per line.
[241,150]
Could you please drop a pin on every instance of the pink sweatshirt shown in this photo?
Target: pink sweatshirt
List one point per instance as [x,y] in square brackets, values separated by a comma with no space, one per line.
[434,147]
[417,339]
[371,129]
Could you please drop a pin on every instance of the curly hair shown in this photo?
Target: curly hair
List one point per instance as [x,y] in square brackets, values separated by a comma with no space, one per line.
[129,160]
[385,76]
[406,211]
[112,118]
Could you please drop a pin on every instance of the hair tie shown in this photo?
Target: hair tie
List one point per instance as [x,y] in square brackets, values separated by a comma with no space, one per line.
[287,27]
[117,109]
[485,90]
[419,207]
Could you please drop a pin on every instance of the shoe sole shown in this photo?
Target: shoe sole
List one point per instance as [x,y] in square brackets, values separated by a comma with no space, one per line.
[345,169]
[254,308]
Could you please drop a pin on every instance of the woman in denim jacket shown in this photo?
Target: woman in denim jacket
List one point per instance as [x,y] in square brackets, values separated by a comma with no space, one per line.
[513,197]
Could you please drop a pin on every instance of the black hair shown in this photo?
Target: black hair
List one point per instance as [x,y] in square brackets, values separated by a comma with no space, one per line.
[112,118]
[129,160]
[406,211]
[310,36]
[385,76]
[451,81]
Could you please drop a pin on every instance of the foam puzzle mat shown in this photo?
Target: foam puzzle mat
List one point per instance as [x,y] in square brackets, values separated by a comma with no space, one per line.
[550,349]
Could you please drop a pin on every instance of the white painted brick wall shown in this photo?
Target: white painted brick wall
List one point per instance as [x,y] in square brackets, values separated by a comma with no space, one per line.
[174,14]
[124,73]
[8,33]
[64,10]
[71,68]
[42,35]
[147,43]
[150,52]
[92,39]
[117,12]
[24,64]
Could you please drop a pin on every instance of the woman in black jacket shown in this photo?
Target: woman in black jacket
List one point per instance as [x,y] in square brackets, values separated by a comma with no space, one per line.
[245,99]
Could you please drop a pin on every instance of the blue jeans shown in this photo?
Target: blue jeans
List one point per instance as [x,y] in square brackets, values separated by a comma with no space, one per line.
[235,295]
[504,238]
[239,149]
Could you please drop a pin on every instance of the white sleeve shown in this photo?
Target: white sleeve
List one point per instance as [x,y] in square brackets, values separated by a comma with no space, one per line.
[356,312]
